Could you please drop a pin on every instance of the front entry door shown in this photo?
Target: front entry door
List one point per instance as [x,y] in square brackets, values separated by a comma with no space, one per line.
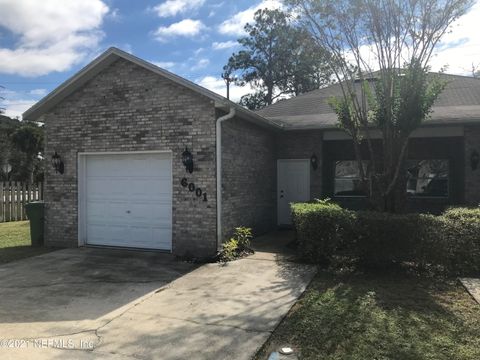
[293,185]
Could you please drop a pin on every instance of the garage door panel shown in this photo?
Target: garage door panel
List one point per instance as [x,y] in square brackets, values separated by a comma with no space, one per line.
[162,233]
[118,211]
[129,200]
[119,232]
[151,212]
[107,211]
[105,188]
[142,235]
[99,234]
[155,188]
[96,209]
[151,168]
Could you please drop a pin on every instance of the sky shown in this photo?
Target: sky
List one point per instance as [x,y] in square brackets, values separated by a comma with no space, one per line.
[43,43]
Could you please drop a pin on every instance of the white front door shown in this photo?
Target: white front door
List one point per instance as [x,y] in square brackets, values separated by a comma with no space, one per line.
[293,185]
[129,200]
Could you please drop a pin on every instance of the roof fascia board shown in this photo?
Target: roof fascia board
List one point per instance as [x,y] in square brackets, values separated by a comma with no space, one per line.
[427,124]
[422,132]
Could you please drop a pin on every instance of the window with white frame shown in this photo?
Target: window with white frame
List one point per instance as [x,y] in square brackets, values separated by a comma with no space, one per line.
[427,178]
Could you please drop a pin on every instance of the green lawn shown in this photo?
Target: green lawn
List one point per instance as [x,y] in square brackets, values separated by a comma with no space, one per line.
[15,242]
[381,317]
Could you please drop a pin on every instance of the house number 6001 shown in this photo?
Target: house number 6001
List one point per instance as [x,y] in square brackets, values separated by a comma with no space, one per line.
[191,187]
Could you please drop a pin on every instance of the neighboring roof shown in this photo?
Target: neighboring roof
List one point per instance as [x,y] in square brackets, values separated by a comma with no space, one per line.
[458,103]
[113,54]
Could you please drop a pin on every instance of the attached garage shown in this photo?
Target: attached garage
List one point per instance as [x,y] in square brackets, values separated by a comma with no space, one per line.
[123,128]
[126,199]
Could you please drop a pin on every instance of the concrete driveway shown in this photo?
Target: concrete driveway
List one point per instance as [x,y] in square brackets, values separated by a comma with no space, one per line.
[113,304]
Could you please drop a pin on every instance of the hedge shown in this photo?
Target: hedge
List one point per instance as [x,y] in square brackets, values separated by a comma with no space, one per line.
[451,240]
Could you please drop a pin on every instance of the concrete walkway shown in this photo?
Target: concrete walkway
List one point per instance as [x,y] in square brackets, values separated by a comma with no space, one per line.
[473,287]
[129,305]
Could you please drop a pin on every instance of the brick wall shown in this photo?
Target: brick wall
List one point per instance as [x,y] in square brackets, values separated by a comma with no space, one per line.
[127,108]
[248,177]
[472,177]
[302,145]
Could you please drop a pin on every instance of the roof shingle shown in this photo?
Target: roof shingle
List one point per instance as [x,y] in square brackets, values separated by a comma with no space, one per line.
[458,103]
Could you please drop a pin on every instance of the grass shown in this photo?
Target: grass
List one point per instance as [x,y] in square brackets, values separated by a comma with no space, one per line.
[15,242]
[381,317]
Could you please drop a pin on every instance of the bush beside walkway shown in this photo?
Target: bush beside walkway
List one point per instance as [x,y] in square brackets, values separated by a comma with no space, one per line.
[450,241]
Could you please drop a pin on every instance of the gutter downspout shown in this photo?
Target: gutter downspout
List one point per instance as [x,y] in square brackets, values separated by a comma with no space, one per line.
[218,129]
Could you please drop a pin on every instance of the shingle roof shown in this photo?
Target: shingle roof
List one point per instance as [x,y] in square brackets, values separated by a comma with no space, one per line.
[458,103]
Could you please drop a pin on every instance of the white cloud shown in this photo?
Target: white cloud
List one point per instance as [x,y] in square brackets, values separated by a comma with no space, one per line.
[218,86]
[53,35]
[461,47]
[38,92]
[215,8]
[164,64]
[198,51]
[14,108]
[174,7]
[114,15]
[224,45]
[200,64]
[235,24]
[185,28]
[16,102]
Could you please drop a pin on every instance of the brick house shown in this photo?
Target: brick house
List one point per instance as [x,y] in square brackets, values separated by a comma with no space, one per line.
[142,150]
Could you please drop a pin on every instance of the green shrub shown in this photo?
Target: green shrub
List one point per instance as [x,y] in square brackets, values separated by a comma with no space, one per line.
[325,201]
[243,235]
[236,246]
[461,232]
[321,229]
[460,213]
[382,239]
[229,250]
[452,240]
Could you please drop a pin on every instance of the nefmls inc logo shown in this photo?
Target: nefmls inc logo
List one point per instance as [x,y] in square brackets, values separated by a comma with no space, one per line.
[55,343]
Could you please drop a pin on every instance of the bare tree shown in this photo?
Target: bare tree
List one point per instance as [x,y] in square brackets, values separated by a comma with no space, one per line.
[476,70]
[380,53]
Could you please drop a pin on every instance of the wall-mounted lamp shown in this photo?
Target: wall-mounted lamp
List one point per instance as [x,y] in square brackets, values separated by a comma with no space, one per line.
[474,159]
[187,160]
[314,162]
[57,163]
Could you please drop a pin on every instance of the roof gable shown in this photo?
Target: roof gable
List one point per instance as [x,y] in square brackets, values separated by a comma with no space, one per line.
[110,56]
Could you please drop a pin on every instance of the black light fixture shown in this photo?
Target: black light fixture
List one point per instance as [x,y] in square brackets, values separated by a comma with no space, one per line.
[187,160]
[314,162]
[474,159]
[57,163]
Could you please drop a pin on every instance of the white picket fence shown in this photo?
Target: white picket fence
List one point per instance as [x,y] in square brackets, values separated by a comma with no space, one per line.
[13,197]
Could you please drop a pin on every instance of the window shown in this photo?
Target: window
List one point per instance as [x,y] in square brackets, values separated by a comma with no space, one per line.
[347,178]
[427,178]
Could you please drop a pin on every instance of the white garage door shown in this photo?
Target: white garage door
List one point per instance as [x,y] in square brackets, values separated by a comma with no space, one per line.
[129,200]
